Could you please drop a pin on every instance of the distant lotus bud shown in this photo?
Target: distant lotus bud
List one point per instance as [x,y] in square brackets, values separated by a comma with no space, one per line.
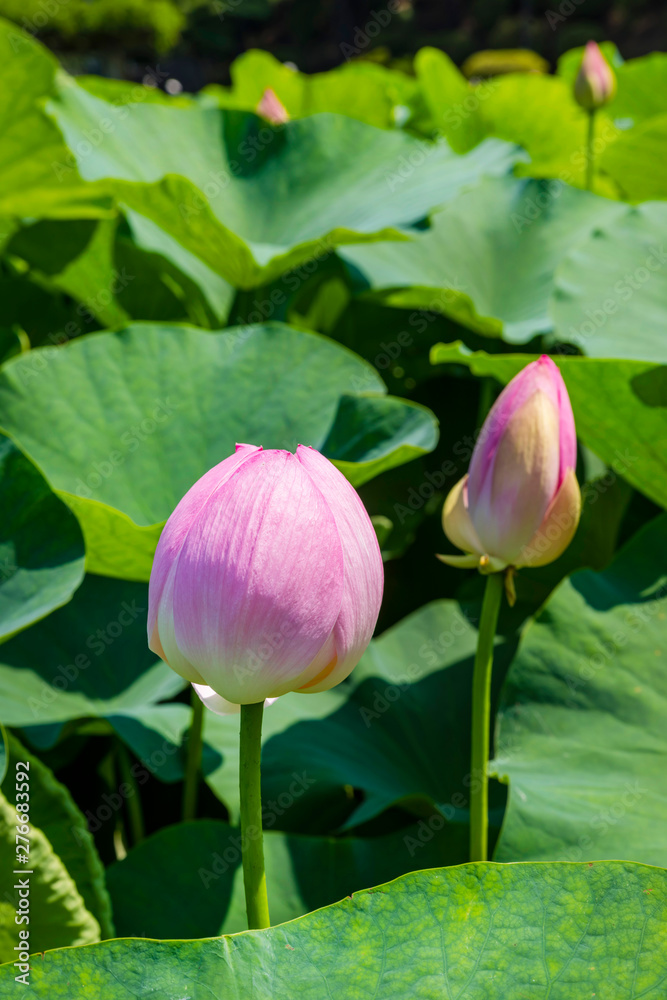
[595,84]
[520,503]
[267,578]
[272,108]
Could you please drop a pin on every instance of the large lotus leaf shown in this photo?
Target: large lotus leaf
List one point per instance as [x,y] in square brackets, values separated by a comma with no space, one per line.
[620,408]
[123,424]
[90,659]
[58,916]
[77,258]
[253,201]
[640,88]
[488,259]
[498,932]
[53,810]
[636,161]
[201,862]
[582,726]
[453,103]
[35,313]
[387,732]
[39,176]
[41,547]
[201,291]
[610,290]
[114,274]
[362,90]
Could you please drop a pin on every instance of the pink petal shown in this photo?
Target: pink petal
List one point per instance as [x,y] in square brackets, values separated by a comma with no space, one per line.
[363,573]
[456,520]
[523,479]
[558,526]
[180,522]
[538,375]
[163,639]
[259,580]
[272,108]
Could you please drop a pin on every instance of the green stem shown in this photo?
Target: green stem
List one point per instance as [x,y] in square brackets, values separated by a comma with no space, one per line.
[254,877]
[590,151]
[193,758]
[134,812]
[481,718]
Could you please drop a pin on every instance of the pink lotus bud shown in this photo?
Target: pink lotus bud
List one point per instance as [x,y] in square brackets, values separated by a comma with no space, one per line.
[595,84]
[267,578]
[519,505]
[272,108]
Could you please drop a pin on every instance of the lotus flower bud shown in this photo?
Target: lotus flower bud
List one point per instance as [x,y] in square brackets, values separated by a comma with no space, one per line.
[520,503]
[272,108]
[267,578]
[595,84]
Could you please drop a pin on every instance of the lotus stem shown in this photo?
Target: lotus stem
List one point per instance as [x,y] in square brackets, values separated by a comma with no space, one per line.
[481,718]
[254,875]
[193,759]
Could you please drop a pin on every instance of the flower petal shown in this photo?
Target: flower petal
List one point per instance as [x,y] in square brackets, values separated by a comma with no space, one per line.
[219,705]
[180,522]
[557,528]
[456,519]
[259,580]
[460,562]
[162,639]
[523,482]
[363,572]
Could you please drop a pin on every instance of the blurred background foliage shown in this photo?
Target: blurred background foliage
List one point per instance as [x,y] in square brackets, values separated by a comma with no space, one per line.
[417,263]
[195,41]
